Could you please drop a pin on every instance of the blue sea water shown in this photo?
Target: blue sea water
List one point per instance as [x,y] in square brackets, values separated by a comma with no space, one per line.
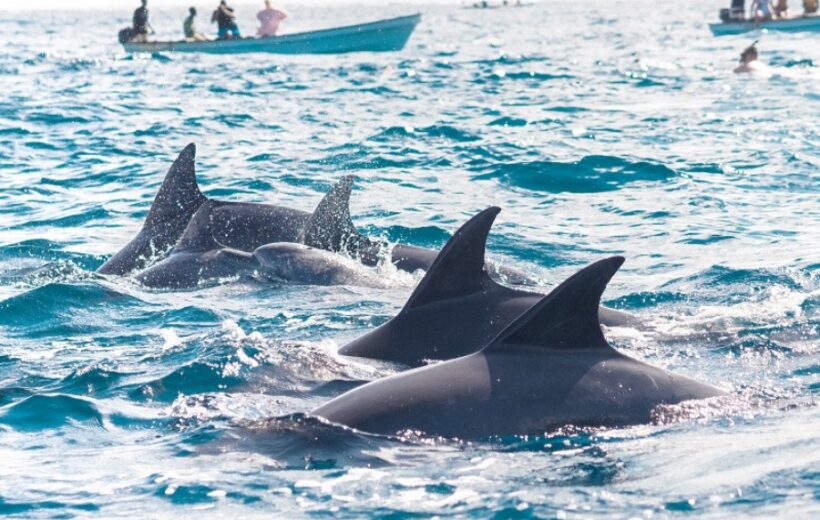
[611,128]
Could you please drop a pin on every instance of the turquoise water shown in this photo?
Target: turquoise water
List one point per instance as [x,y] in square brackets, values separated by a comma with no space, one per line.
[599,129]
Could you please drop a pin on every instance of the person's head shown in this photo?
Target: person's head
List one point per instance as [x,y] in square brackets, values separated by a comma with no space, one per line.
[223,3]
[267,4]
[144,2]
[749,54]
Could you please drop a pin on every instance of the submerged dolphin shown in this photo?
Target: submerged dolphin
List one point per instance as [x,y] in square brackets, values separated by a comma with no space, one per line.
[456,308]
[550,368]
[246,226]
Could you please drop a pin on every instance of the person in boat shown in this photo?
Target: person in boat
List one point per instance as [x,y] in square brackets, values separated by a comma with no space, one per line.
[140,25]
[809,6]
[762,10]
[225,19]
[781,9]
[748,60]
[189,28]
[269,20]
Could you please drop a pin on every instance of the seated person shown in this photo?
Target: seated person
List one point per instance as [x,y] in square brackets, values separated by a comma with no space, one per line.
[269,20]
[189,28]
[762,10]
[781,8]
[809,6]
[225,21]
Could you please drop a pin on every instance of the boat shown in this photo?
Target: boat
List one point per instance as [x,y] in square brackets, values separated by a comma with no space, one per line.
[484,4]
[809,22]
[379,36]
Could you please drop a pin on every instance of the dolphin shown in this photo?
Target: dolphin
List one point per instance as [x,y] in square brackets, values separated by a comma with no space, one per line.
[246,226]
[298,263]
[176,202]
[551,367]
[199,256]
[238,225]
[456,308]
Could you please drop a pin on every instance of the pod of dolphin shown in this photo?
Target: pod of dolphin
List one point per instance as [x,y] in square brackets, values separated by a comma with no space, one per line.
[512,362]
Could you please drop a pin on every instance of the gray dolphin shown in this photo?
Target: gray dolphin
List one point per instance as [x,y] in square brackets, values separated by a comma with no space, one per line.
[550,368]
[238,225]
[199,257]
[246,226]
[456,308]
[298,263]
[177,200]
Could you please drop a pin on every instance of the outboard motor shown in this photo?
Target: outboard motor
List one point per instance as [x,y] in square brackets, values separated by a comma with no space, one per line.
[125,35]
[724,15]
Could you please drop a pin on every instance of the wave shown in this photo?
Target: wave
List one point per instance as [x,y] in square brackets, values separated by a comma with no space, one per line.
[42,412]
[592,174]
[61,309]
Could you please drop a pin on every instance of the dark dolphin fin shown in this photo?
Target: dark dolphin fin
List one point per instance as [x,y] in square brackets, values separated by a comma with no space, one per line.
[179,195]
[176,201]
[458,269]
[568,316]
[330,226]
[197,236]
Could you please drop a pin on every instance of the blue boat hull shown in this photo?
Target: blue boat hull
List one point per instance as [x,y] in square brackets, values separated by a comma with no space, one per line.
[799,24]
[380,36]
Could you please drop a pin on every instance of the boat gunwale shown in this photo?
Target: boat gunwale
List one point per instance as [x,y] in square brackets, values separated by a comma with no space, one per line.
[738,27]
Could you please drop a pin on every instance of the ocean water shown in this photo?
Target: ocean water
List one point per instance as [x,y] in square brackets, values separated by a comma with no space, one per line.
[611,128]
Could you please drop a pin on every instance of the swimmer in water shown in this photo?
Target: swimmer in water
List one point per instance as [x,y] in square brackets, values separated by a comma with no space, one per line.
[748,60]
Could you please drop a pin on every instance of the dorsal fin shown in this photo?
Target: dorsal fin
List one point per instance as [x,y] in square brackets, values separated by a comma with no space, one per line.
[568,316]
[458,269]
[179,195]
[330,226]
[197,236]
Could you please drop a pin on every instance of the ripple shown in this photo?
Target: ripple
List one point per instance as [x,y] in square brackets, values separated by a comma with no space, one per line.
[589,175]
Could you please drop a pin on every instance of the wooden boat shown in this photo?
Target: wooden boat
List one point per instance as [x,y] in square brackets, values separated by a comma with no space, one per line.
[800,23]
[379,36]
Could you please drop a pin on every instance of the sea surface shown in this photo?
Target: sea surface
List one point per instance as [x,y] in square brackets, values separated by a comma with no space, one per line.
[599,128]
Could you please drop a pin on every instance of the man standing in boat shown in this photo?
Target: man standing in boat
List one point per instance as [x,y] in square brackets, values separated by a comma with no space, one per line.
[140,23]
[225,19]
[269,20]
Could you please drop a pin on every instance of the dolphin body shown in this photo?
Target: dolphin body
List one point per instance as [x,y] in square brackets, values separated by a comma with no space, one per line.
[551,367]
[199,257]
[246,226]
[456,308]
